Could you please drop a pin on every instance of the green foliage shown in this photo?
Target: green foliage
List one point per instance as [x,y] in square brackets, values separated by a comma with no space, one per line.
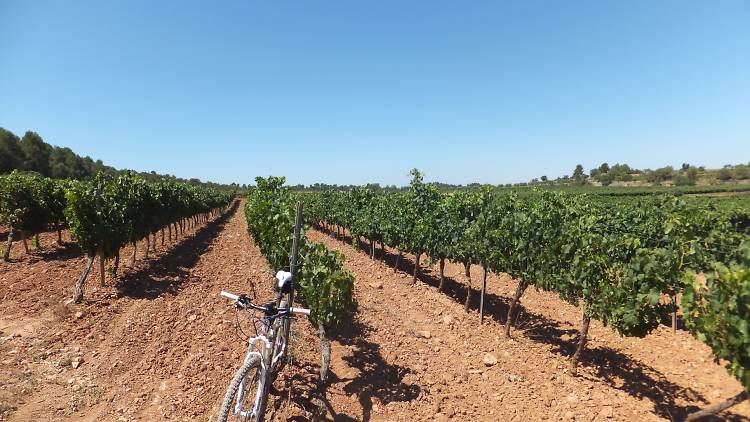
[618,257]
[26,201]
[10,152]
[96,214]
[579,177]
[724,174]
[719,313]
[107,212]
[324,285]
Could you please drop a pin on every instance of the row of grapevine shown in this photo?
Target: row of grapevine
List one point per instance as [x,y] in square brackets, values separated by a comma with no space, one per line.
[103,214]
[619,260]
[108,212]
[323,284]
[30,204]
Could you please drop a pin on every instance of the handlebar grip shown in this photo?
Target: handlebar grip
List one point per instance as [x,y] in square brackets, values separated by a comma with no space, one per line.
[229,295]
[302,311]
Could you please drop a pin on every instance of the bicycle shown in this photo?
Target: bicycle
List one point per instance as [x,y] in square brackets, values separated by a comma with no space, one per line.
[247,395]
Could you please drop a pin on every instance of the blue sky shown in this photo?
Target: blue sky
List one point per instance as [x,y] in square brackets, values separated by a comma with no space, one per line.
[362,91]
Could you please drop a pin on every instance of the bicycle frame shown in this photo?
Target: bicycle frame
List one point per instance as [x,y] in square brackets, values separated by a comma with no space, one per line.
[267,361]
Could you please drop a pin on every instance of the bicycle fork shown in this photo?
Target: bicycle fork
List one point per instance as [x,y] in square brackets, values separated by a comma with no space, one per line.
[263,377]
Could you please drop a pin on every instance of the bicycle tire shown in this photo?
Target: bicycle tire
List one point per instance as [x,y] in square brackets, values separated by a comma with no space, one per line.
[281,339]
[227,404]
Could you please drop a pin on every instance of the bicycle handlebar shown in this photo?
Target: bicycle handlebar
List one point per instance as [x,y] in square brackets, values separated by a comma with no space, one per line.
[293,310]
[229,295]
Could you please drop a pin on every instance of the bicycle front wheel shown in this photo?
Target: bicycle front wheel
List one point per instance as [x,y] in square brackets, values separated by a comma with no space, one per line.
[281,329]
[245,399]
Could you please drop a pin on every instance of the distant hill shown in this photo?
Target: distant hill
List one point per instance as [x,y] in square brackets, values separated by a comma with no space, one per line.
[31,153]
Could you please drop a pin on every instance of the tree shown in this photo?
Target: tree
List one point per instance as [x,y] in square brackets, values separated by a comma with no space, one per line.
[578,176]
[11,155]
[659,175]
[36,153]
[687,178]
[742,172]
[724,174]
[606,178]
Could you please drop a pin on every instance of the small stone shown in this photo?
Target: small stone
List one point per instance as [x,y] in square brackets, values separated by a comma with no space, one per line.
[377,285]
[78,315]
[489,359]
[448,319]
[192,317]
[424,334]
[76,387]
[439,417]
[607,412]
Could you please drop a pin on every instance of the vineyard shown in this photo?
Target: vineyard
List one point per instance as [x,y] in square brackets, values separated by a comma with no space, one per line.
[103,214]
[378,344]
[624,263]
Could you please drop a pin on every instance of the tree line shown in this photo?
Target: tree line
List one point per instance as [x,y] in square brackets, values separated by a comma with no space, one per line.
[32,154]
[686,175]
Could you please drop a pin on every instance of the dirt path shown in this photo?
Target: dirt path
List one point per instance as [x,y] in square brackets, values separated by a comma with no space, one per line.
[416,355]
[160,345]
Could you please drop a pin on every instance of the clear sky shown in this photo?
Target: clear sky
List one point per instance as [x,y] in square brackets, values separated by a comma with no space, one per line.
[362,91]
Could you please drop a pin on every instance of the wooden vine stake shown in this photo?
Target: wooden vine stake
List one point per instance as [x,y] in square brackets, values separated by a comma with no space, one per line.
[481,298]
[467,274]
[6,253]
[78,289]
[101,269]
[25,243]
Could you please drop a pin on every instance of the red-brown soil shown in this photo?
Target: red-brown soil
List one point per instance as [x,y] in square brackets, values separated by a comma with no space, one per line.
[158,343]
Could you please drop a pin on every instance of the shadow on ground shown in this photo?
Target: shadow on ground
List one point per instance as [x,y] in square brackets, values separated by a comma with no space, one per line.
[61,252]
[376,378]
[166,273]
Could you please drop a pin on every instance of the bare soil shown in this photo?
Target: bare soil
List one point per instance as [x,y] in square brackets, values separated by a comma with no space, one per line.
[158,343]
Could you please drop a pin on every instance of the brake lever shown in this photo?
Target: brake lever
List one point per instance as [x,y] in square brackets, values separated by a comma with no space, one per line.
[242,302]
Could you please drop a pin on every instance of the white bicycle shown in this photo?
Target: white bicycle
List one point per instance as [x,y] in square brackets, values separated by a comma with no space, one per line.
[247,395]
